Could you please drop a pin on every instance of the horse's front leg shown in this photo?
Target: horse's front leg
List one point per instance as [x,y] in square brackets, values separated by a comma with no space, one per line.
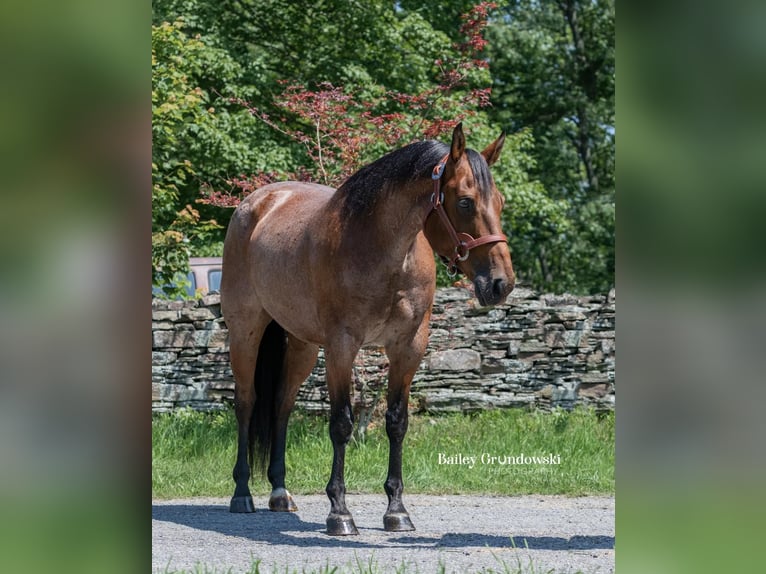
[404,358]
[396,518]
[339,361]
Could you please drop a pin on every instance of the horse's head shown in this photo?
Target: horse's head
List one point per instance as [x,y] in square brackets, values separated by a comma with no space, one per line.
[467,231]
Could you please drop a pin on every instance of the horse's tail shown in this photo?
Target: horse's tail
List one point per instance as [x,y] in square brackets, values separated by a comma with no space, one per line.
[268,377]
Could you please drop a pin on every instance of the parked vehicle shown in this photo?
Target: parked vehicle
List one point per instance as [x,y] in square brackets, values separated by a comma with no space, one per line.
[204,276]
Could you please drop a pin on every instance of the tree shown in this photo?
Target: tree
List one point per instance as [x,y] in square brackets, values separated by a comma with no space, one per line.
[368,43]
[341,128]
[553,69]
[175,104]
[197,137]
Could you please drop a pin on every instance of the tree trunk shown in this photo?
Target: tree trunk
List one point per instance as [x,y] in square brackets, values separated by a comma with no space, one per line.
[586,78]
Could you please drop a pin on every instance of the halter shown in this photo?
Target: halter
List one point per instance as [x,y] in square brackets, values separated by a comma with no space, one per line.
[463,241]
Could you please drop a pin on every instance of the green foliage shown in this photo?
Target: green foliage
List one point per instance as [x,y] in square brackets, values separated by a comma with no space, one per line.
[198,138]
[175,103]
[346,43]
[553,69]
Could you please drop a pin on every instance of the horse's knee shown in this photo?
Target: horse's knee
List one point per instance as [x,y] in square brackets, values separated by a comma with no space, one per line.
[341,426]
[397,421]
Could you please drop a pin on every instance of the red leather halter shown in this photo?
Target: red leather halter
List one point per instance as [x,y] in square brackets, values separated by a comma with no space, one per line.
[463,241]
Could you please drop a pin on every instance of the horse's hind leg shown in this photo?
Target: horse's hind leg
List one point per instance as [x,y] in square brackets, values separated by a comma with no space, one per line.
[404,358]
[300,359]
[244,340]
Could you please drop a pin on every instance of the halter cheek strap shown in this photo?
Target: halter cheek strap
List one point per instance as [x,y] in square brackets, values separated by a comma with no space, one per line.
[463,241]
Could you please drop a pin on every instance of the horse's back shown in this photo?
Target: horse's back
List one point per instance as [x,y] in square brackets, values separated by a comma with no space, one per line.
[264,228]
[290,197]
[278,196]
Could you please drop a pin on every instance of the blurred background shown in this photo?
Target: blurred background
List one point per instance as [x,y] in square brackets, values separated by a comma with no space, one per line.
[75,156]
[690,273]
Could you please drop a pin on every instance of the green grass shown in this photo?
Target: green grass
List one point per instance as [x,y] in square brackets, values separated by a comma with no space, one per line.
[193,454]
[370,566]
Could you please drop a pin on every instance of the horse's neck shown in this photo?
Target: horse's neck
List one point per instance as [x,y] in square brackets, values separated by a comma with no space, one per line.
[394,223]
[399,218]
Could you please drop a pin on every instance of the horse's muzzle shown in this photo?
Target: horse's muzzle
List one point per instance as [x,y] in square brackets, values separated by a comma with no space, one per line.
[492,291]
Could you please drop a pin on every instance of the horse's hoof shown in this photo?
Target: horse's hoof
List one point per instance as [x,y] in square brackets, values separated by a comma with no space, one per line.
[397,522]
[281,501]
[242,504]
[341,525]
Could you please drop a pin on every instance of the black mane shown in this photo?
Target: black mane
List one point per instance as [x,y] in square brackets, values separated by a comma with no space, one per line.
[362,190]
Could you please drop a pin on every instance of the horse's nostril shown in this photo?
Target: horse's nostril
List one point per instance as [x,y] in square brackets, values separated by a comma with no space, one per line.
[501,287]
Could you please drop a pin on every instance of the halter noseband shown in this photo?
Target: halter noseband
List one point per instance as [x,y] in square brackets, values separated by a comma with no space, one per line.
[463,241]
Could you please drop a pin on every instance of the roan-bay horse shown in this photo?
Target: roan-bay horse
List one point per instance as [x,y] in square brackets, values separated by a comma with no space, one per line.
[305,265]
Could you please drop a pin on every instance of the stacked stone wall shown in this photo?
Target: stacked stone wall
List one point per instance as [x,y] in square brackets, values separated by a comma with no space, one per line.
[535,350]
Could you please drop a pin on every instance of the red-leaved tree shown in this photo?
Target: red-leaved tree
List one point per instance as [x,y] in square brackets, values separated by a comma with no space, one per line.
[340,131]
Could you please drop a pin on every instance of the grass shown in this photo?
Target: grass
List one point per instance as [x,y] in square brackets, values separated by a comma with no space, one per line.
[193,454]
[370,566]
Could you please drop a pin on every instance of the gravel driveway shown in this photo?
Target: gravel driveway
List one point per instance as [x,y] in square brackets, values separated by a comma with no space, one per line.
[464,533]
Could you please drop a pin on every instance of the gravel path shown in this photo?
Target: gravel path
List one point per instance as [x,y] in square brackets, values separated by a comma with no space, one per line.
[465,533]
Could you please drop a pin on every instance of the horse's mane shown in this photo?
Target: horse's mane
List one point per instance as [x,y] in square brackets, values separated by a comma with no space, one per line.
[362,190]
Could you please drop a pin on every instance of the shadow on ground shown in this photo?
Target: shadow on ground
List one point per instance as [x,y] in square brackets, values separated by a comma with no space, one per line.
[276,528]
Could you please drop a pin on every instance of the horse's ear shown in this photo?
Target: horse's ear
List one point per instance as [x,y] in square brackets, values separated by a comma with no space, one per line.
[458,143]
[492,152]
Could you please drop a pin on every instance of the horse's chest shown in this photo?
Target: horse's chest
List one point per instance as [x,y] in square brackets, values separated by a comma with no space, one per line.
[392,320]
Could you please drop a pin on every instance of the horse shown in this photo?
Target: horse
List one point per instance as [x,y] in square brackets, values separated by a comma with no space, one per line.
[305,265]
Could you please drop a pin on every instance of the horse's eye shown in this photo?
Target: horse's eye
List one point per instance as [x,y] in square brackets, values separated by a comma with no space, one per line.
[465,203]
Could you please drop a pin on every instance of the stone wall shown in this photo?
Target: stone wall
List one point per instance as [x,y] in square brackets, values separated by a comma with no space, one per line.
[541,350]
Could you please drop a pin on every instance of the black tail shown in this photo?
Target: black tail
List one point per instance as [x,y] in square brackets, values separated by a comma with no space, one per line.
[268,377]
